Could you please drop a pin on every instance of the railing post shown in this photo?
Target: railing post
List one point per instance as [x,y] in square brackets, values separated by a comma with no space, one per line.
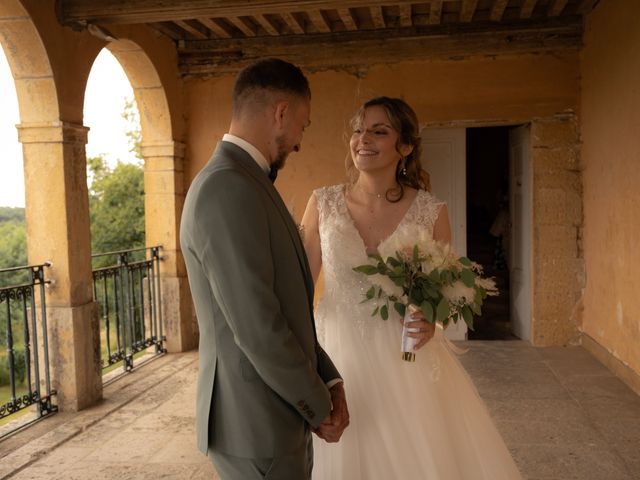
[129,310]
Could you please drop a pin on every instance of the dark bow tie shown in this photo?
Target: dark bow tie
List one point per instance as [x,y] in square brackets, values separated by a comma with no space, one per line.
[273,173]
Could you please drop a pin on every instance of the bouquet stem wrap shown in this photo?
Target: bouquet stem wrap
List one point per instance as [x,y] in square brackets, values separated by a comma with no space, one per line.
[408,343]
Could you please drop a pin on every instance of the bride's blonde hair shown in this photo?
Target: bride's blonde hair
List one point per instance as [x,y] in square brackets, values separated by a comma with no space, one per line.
[409,171]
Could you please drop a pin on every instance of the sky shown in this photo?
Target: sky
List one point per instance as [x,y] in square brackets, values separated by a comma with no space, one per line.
[107,90]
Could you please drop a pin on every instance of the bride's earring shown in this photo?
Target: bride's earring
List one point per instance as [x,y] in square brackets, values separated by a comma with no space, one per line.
[403,170]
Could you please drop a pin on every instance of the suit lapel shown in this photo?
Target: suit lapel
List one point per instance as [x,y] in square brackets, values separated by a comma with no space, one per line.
[244,160]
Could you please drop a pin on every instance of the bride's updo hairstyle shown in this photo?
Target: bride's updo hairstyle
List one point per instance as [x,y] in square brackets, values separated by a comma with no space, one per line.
[409,172]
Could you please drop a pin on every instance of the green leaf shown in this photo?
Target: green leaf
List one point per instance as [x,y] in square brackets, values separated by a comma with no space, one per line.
[370,293]
[375,312]
[427,311]
[468,277]
[400,308]
[465,261]
[366,269]
[442,311]
[434,276]
[394,262]
[384,312]
[467,315]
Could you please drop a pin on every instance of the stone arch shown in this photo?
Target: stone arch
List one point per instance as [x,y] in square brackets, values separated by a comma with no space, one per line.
[155,118]
[30,66]
[164,187]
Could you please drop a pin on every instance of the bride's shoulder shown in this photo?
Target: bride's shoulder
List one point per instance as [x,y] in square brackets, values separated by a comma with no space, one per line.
[328,197]
[427,198]
[329,192]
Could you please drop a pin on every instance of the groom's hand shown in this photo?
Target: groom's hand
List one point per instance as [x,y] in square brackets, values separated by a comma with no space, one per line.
[332,427]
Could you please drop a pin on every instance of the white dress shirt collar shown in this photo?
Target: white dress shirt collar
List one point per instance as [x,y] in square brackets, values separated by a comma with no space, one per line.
[250,149]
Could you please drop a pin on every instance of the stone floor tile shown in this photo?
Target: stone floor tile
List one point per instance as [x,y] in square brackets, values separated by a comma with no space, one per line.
[206,472]
[533,409]
[129,447]
[570,462]
[559,432]
[594,386]
[182,449]
[127,471]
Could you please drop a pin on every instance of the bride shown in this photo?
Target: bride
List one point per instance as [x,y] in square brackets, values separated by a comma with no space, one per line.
[409,421]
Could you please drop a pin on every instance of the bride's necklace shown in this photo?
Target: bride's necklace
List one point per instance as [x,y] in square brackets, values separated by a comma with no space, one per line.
[371,194]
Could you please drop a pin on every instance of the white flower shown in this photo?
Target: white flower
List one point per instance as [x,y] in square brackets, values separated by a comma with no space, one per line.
[458,293]
[387,285]
[488,284]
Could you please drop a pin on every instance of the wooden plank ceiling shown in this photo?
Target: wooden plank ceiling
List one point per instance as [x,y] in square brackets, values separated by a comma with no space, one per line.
[218,37]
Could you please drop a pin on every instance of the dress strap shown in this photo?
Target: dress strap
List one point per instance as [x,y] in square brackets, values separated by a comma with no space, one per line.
[328,200]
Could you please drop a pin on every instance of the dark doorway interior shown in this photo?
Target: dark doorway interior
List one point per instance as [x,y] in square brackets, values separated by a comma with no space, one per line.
[488,223]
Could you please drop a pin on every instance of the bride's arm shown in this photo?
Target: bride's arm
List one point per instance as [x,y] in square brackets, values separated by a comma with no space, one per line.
[311,236]
[442,229]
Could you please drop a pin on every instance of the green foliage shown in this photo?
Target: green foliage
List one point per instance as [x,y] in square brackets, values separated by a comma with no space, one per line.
[13,246]
[133,133]
[443,287]
[116,203]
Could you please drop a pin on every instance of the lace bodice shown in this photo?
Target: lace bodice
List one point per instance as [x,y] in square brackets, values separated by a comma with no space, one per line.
[343,247]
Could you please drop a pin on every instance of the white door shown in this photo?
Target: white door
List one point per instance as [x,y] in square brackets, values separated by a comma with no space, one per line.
[520,206]
[444,158]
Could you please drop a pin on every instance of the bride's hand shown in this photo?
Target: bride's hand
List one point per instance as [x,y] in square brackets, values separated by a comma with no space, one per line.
[421,329]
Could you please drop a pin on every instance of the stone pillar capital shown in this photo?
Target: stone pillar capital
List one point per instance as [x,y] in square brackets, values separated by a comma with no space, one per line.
[157,149]
[52,132]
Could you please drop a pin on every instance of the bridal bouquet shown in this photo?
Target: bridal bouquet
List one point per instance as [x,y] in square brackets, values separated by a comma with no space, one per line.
[415,272]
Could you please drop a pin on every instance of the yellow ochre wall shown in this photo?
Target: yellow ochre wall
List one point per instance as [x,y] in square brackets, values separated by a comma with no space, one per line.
[504,90]
[610,127]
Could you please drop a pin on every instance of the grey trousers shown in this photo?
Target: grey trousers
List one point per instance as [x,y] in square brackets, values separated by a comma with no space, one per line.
[294,466]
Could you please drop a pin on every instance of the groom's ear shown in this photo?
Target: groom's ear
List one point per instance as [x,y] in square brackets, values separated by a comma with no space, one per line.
[280,112]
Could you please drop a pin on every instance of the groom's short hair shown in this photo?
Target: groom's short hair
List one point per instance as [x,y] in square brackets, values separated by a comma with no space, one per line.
[260,80]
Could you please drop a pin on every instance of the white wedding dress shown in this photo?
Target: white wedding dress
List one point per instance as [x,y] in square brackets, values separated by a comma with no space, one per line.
[408,421]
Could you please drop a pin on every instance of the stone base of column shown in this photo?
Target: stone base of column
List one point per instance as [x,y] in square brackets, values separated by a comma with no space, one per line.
[180,326]
[74,346]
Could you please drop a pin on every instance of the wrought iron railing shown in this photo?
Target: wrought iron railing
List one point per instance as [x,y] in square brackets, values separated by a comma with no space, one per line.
[126,286]
[24,346]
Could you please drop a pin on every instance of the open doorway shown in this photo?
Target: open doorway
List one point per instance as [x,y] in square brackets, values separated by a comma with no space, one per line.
[488,224]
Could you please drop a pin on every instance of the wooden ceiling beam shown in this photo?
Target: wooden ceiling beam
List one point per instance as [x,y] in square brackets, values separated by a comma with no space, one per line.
[267,25]
[467,10]
[586,6]
[405,16]
[186,26]
[378,17]
[527,8]
[435,12]
[214,27]
[355,50]
[556,7]
[347,19]
[497,11]
[292,23]
[241,25]
[147,11]
[319,21]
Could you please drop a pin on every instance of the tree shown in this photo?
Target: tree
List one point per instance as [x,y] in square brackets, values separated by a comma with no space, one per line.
[116,196]
[13,247]
[116,203]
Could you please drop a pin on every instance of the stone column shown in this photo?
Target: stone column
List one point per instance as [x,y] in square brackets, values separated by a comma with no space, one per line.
[164,199]
[57,215]
[558,260]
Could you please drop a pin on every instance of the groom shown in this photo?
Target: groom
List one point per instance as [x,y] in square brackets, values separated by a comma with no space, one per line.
[264,382]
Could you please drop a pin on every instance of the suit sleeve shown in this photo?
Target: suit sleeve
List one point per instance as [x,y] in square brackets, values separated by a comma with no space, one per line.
[237,258]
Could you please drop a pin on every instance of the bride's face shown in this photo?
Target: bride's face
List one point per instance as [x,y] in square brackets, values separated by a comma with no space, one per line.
[374,142]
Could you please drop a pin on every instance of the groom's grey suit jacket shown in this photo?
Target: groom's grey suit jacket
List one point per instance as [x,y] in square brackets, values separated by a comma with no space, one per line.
[262,374]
